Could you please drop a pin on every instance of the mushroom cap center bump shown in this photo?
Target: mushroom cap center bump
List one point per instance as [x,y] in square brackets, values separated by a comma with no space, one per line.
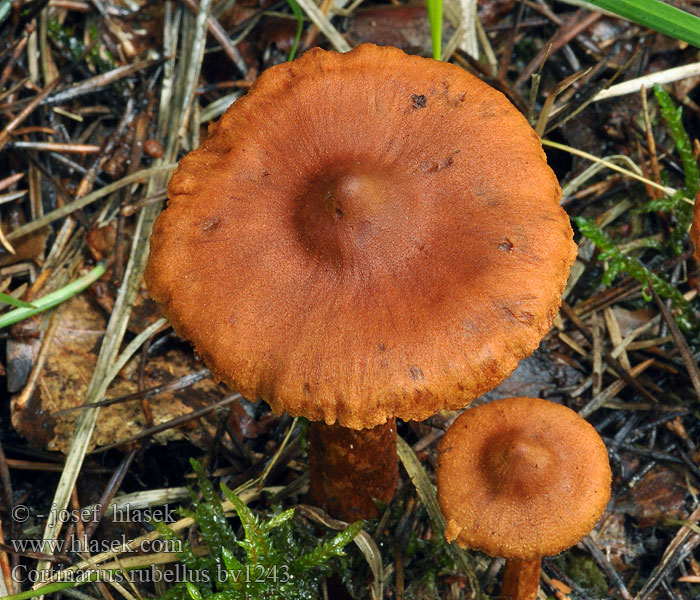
[349,217]
[519,464]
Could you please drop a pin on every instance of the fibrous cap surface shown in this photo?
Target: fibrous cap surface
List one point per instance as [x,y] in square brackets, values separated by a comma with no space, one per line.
[362,236]
[521,478]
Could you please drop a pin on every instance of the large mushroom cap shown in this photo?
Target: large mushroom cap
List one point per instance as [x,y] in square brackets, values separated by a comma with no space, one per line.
[521,478]
[363,235]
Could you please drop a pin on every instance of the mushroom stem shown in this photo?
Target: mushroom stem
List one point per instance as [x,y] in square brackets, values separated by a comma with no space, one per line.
[521,579]
[349,468]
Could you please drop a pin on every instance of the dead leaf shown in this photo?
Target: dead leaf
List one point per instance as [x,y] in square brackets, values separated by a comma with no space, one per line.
[657,498]
[66,375]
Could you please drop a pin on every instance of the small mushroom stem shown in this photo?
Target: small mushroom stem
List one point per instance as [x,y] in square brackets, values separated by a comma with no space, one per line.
[350,468]
[521,579]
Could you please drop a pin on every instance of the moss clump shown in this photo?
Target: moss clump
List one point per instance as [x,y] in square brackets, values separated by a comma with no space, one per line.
[585,572]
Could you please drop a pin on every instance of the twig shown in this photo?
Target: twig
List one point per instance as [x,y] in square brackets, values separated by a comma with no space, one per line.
[604,564]
[10,583]
[577,23]
[67,209]
[665,189]
[510,43]
[88,180]
[5,198]
[221,36]
[28,110]
[11,180]
[108,493]
[196,414]
[613,389]
[179,384]
[631,381]
[674,553]
[681,343]
[325,26]
[96,83]
[647,81]
[56,147]
[38,366]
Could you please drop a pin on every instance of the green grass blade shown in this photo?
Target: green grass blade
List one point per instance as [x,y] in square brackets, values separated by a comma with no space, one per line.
[435,18]
[4,9]
[658,16]
[54,298]
[296,9]
[7,299]
[57,586]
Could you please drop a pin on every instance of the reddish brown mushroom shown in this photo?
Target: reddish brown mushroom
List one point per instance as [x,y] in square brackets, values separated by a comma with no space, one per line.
[521,478]
[363,236]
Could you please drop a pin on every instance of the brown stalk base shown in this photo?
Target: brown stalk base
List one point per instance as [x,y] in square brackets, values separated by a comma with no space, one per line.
[521,579]
[349,468]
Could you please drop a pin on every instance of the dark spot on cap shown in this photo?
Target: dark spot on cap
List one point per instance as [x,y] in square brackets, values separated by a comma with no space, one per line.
[432,166]
[419,101]
[506,246]
[415,373]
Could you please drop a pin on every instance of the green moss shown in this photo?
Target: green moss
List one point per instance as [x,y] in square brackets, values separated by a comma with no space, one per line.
[263,556]
[66,37]
[585,572]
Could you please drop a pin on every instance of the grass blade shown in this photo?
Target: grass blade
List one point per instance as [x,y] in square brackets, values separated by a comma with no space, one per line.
[658,16]
[435,18]
[296,9]
[52,299]
[12,301]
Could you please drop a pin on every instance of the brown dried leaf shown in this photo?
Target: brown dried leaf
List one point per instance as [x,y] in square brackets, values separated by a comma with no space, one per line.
[611,537]
[66,376]
[657,498]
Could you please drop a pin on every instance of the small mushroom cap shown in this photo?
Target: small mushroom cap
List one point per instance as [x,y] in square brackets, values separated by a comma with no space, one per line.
[521,478]
[362,236]
[695,229]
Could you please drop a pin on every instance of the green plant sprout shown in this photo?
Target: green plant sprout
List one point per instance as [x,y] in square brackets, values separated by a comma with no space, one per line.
[276,558]
[12,301]
[654,14]
[435,18]
[66,37]
[617,261]
[296,9]
[52,299]
[674,204]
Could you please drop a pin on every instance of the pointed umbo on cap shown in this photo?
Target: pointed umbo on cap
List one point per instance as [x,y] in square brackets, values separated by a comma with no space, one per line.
[363,236]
